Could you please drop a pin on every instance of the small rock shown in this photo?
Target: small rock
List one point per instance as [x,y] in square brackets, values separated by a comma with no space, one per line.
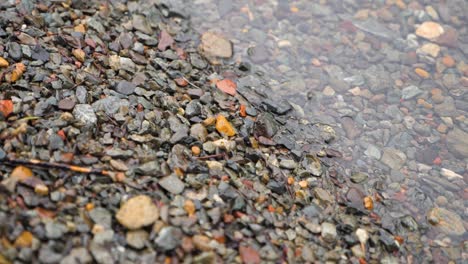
[137,212]
[429,30]
[85,114]
[447,221]
[137,238]
[287,164]
[125,87]
[214,45]
[329,232]
[172,184]
[393,158]
[410,92]
[359,177]
[457,142]
[431,49]
[168,238]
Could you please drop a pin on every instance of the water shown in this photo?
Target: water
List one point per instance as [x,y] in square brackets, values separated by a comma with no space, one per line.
[398,100]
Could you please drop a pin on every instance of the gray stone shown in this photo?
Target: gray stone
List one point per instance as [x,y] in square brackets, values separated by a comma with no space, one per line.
[77,256]
[172,184]
[457,142]
[393,158]
[168,238]
[55,230]
[199,132]
[288,164]
[410,92]
[85,114]
[125,87]
[329,232]
[140,23]
[101,216]
[373,152]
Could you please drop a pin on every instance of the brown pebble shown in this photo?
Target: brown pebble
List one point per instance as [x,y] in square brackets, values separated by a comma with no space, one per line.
[422,73]
[448,61]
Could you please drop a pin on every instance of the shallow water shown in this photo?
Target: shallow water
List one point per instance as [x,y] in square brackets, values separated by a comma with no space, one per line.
[397,99]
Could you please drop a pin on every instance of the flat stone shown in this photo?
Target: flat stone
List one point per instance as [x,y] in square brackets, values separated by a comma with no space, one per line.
[85,114]
[137,212]
[125,87]
[328,232]
[137,238]
[168,238]
[288,164]
[429,30]
[172,184]
[140,23]
[214,45]
[447,221]
[393,158]
[457,142]
[410,92]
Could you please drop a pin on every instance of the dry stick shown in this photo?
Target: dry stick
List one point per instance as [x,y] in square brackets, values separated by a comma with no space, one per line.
[54,165]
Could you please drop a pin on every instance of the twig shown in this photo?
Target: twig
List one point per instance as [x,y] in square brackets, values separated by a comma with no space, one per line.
[212,156]
[194,85]
[54,165]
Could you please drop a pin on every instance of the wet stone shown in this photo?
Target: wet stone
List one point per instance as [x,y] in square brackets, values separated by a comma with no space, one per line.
[447,221]
[410,92]
[359,177]
[393,158]
[457,142]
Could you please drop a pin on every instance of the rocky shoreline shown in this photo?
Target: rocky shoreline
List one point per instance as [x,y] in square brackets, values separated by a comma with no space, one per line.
[167,153]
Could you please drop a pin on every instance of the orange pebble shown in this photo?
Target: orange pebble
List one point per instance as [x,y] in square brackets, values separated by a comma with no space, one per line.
[448,61]
[368,203]
[196,150]
[422,73]
[224,126]
[89,206]
[303,184]
[242,110]
[290,180]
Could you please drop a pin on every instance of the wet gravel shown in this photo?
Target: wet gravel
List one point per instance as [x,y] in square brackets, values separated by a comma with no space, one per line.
[128,137]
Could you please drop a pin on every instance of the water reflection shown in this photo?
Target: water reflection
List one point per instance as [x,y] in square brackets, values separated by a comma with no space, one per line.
[391,76]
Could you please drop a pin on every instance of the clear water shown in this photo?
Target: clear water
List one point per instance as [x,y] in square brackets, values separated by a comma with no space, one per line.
[356,65]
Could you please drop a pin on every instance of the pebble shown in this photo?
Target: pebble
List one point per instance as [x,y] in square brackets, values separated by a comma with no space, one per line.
[429,30]
[125,87]
[168,238]
[172,184]
[393,158]
[410,92]
[137,212]
[213,45]
[457,142]
[328,232]
[85,114]
[430,49]
[447,221]
[137,238]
